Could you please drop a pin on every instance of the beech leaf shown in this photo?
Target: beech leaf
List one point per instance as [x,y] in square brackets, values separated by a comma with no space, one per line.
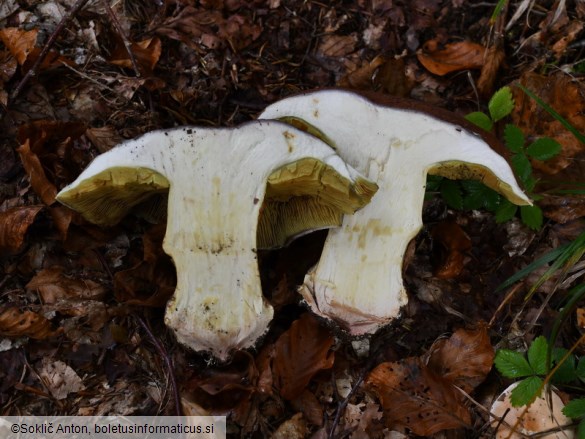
[300,353]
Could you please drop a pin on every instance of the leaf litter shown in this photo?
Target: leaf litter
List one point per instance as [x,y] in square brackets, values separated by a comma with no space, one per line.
[71,292]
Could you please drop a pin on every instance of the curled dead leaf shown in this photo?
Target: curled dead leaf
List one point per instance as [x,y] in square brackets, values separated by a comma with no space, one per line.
[14,223]
[415,397]
[17,323]
[146,53]
[464,359]
[299,354]
[19,42]
[38,179]
[453,57]
[54,285]
[453,244]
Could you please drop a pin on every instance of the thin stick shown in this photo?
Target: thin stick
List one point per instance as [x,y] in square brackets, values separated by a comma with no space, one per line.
[51,41]
[168,362]
[120,31]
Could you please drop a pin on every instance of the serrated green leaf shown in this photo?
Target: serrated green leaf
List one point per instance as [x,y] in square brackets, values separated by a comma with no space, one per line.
[480,119]
[567,371]
[513,138]
[505,211]
[531,216]
[512,364]
[575,409]
[537,355]
[529,184]
[543,149]
[522,166]
[451,193]
[526,391]
[501,104]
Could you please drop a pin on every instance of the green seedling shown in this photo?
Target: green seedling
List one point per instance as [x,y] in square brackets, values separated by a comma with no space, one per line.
[535,366]
[470,195]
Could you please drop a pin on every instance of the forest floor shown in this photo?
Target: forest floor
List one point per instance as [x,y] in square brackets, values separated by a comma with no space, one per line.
[82,307]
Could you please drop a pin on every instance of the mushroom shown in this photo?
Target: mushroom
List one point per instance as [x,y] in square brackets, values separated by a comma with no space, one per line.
[358,279]
[542,415]
[230,191]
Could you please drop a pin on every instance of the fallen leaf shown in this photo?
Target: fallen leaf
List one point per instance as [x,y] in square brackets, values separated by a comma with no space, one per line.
[146,54]
[337,45]
[464,359]
[104,138]
[299,354]
[453,243]
[17,323]
[489,71]
[293,428]
[38,180]
[415,397]
[53,285]
[14,224]
[19,42]
[60,379]
[567,97]
[361,78]
[453,57]
[563,209]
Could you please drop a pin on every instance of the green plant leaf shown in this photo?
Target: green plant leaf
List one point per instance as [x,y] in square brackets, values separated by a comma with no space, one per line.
[451,193]
[575,409]
[537,355]
[505,211]
[543,149]
[580,371]
[531,216]
[480,119]
[526,391]
[512,364]
[581,429]
[522,166]
[566,371]
[501,104]
[514,138]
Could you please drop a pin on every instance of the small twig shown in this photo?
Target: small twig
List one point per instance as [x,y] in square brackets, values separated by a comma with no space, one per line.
[50,42]
[168,362]
[343,404]
[127,44]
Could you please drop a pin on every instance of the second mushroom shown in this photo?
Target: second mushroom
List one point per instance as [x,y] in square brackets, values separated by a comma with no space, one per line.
[358,280]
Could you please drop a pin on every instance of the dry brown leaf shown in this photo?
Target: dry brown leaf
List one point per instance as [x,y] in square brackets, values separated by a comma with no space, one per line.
[299,354]
[563,209]
[567,97]
[53,285]
[293,428]
[104,138]
[146,53]
[14,224]
[337,45]
[464,359]
[361,78]
[453,57]
[60,379]
[17,323]
[415,397]
[489,71]
[454,243]
[19,42]
[38,180]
